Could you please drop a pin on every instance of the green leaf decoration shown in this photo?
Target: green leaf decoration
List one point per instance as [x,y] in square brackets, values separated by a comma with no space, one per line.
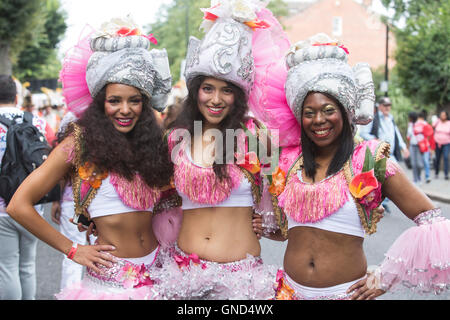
[369,162]
[380,170]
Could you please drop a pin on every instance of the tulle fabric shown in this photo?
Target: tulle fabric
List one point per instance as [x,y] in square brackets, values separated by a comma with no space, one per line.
[267,100]
[73,74]
[419,259]
[89,290]
[166,226]
[192,278]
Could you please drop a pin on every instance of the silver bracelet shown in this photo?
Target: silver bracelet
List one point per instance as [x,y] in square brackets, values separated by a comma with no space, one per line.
[429,217]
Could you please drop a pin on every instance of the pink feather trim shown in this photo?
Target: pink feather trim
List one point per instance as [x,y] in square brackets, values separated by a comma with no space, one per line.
[200,184]
[73,74]
[135,194]
[305,202]
[267,99]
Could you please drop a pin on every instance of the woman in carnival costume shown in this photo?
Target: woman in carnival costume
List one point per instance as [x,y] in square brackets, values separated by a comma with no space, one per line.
[327,186]
[111,82]
[217,254]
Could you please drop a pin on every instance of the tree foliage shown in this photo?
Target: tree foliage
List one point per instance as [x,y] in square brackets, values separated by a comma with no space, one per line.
[21,21]
[422,55]
[181,19]
[39,60]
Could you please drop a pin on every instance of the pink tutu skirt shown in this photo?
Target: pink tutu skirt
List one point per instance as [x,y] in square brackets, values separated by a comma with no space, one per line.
[132,279]
[186,277]
[420,257]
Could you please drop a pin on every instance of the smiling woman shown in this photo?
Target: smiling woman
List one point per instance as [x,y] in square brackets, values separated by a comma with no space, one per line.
[117,160]
[123,106]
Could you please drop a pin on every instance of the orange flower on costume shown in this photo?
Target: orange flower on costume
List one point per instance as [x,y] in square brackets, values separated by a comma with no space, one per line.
[125,31]
[89,172]
[257,24]
[363,183]
[251,166]
[210,16]
[278,182]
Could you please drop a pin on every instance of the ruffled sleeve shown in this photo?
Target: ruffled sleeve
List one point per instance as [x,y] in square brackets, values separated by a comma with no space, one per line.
[420,257]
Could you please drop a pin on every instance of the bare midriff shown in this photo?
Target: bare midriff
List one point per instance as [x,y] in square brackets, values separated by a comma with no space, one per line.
[131,233]
[219,234]
[320,258]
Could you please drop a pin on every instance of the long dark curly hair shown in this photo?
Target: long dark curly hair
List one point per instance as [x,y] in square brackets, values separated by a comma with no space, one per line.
[141,150]
[190,113]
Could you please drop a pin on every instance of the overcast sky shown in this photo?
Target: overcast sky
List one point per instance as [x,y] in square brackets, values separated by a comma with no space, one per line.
[95,12]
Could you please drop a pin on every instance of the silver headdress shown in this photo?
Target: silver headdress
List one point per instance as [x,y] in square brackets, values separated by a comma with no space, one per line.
[320,64]
[226,50]
[121,55]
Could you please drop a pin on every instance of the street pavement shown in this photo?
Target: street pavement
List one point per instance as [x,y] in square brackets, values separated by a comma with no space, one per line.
[48,262]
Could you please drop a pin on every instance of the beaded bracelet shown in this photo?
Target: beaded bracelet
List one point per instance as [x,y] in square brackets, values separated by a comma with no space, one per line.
[72,251]
[428,217]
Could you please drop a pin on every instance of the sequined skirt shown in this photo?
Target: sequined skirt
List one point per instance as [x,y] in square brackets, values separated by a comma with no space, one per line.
[132,279]
[186,277]
[288,289]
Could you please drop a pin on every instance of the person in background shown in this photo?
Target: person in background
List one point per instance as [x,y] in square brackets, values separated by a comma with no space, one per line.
[383,128]
[442,139]
[415,154]
[425,140]
[17,245]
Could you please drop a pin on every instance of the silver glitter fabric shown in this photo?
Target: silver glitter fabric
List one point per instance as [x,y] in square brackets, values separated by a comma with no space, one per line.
[127,60]
[224,53]
[429,217]
[185,277]
[323,68]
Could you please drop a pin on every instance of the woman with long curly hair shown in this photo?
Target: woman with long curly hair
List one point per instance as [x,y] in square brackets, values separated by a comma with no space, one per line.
[217,253]
[117,160]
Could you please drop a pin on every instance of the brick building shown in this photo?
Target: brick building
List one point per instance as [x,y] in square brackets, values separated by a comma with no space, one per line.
[353,22]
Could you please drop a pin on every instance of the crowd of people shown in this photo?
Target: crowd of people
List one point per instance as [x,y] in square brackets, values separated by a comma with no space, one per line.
[271,140]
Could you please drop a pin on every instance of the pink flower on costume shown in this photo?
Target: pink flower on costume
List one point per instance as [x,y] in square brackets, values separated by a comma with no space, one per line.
[372,199]
[186,261]
[134,276]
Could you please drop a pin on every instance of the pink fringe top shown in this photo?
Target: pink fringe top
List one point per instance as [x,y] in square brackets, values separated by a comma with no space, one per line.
[135,194]
[312,202]
[200,184]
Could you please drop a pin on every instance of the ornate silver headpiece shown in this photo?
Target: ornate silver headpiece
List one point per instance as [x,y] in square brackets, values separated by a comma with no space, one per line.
[320,64]
[226,50]
[121,55]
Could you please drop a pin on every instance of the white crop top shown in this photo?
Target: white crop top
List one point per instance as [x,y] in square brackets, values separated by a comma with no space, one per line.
[107,202]
[239,197]
[344,220]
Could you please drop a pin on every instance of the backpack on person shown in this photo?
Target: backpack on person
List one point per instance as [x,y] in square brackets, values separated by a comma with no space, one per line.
[26,149]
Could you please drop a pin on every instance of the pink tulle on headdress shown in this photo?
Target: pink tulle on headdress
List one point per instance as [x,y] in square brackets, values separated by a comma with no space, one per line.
[268,100]
[73,74]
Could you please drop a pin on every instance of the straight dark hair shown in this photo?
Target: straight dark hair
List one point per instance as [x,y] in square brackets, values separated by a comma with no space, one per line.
[343,153]
[190,113]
